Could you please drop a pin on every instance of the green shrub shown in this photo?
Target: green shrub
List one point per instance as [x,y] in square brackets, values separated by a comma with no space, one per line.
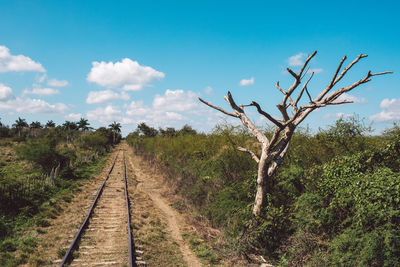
[40,152]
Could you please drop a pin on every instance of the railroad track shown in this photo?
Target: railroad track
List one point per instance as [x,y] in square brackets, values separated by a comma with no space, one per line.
[105,237]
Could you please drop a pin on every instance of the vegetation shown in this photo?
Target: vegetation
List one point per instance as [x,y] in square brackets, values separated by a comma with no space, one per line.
[32,154]
[334,201]
[293,111]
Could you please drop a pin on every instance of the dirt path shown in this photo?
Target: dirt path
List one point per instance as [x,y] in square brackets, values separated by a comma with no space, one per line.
[152,187]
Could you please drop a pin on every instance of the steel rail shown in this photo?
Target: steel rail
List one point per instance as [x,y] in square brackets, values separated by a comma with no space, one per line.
[132,258]
[68,255]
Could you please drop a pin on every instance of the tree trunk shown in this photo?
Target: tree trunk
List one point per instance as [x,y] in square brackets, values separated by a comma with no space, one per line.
[266,171]
[262,178]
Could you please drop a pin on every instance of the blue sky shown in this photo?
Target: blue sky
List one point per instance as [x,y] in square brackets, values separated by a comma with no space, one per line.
[133,61]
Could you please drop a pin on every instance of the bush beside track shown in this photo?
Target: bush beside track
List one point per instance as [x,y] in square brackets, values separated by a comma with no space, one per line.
[335,200]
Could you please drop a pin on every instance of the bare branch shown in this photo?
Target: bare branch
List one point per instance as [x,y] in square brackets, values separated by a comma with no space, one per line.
[252,154]
[306,63]
[349,67]
[279,88]
[274,137]
[322,104]
[381,73]
[309,96]
[305,72]
[282,109]
[337,71]
[302,90]
[246,121]
[218,108]
[293,74]
[296,82]
[343,90]
[341,102]
[262,112]
[232,103]
[281,156]
[336,79]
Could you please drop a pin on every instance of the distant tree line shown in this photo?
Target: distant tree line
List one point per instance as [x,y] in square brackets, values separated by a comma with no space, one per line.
[143,130]
[21,130]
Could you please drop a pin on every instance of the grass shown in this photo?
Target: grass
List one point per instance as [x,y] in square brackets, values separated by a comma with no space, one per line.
[20,241]
[61,252]
[202,250]
[151,235]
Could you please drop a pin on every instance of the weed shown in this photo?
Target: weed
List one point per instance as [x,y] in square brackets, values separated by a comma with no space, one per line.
[43,222]
[61,252]
[201,249]
[28,244]
[8,245]
[40,231]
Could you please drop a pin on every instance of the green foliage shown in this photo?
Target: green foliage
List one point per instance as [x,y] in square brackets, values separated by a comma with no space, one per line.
[355,204]
[39,151]
[146,130]
[37,156]
[94,141]
[4,131]
[334,201]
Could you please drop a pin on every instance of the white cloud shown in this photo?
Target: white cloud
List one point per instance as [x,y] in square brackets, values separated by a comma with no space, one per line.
[174,108]
[10,62]
[316,70]
[208,90]
[137,109]
[386,103]
[174,116]
[105,97]
[245,82]
[166,109]
[171,109]
[338,115]
[176,100]
[73,116]
[5,93]
[127,74]
[390,110]
[41,78]
[57,83]
[347,97]
[297,60]
[41,91]
[105,115]
[28,105]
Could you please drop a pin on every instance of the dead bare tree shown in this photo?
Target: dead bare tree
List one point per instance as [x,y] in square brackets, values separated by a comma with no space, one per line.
[274,149]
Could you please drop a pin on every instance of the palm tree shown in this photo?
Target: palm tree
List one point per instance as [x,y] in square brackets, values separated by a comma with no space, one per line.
[19,125]
[34,126]
[50,124]
[69,126]
[83,124]
[116,128]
